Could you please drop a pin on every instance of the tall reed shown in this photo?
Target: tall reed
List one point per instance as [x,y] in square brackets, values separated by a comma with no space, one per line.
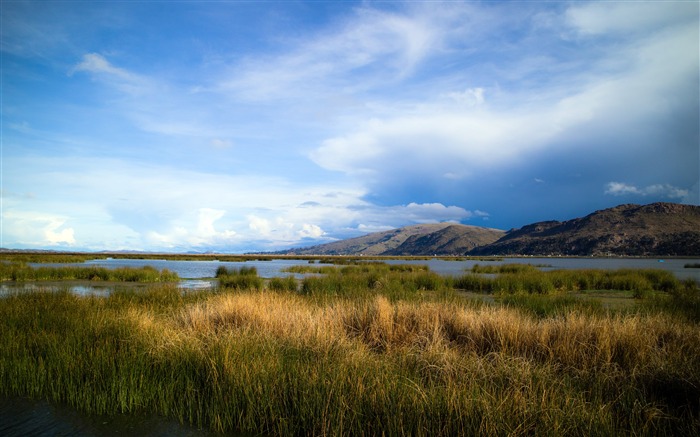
[24,272]
[514,278]
[356,364]
[242,278]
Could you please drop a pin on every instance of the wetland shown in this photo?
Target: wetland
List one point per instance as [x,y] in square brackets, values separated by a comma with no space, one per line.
[512,346]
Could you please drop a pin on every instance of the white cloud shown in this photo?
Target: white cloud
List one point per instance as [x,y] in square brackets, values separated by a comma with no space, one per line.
[471,96]
[629,88]
[441,138]
[604,17]
[368,49]
[54,236]
[658,190]
[96,63]
[188,231]
[369,216]
[449,94]
[621,189]
[281,230]
[32,228]
[693,196]
[120,78]
[434,212]
[157,207]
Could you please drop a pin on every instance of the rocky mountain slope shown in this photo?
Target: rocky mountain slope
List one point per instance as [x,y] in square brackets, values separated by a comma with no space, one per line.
[450,240]
[657,229]
[425,239]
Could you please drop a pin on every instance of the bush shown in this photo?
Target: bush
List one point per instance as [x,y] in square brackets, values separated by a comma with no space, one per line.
[222,271]
[241,282]
[243,270]
[243,278]
[283,284]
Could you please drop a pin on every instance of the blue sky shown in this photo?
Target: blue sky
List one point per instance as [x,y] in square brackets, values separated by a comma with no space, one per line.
[239,126]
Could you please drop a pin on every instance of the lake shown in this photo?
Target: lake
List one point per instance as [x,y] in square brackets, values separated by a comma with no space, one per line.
[274,268]
[199,274]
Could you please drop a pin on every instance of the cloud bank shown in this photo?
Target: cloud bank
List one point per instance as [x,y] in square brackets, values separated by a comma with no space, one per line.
[234,126]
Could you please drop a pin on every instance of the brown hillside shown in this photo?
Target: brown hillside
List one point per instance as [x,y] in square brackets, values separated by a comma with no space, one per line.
[657,229]
[452,240]
[424,239]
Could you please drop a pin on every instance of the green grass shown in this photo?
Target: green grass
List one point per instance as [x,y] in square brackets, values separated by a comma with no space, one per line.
[517,278]
[542,306]
[16,271]
[367,350]
[288,283]
[242,278]
[284,364]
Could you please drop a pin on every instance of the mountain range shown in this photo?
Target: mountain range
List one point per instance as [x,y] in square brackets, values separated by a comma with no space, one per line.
[657,229]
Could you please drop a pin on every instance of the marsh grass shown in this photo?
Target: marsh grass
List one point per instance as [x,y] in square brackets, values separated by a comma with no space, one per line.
[684,302]
[360,351]
[288,283]
[66,257]
[16,271]
[518,278]
[542,306]
[364,281]
[242,278]
[284,364]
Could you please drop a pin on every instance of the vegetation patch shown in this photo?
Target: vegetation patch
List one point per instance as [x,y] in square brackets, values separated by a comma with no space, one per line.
[370,349]
[17,271]
[243,278]
[514,278]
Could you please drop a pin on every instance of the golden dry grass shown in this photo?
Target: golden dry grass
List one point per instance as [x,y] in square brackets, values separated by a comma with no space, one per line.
[578,341]
[287,364]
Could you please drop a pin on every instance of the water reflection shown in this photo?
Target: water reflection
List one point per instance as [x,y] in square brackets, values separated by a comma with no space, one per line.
[198,275]
[27,417]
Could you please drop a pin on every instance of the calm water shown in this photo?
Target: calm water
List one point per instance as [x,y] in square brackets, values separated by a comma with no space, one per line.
[199,274]
[20,417]
[196,271]
[273,268]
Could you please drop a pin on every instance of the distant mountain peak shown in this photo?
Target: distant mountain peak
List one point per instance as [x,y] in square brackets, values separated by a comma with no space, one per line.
[656,229]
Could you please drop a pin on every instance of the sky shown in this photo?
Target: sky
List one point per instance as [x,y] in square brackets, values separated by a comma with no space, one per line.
[244,126]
